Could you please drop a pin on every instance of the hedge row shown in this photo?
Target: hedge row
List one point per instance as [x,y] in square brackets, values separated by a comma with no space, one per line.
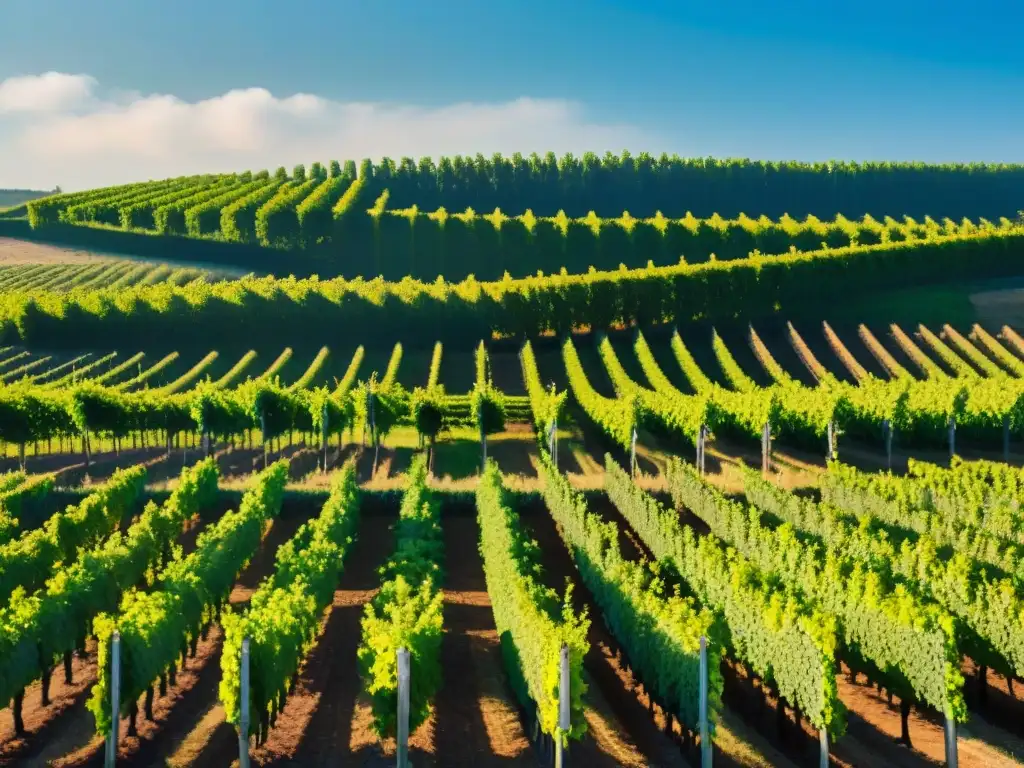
[396,243]
[422,313]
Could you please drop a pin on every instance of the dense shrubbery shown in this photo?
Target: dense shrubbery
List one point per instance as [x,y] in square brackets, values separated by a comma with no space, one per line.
[421,313]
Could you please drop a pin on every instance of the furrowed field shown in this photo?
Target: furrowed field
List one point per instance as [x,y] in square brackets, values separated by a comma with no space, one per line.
[509,410]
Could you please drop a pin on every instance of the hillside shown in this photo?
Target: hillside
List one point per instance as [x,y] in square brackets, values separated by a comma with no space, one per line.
[487,217]
[13,197]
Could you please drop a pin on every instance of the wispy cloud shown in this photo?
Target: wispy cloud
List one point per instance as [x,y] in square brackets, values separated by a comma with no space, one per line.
[62,129]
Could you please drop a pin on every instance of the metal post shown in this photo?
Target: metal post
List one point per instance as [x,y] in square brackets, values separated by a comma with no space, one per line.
[952,437]
[243,720]
[632,452]
[323,431]
[115,700]
[404,676]
[553,441]
[564,705]
[705,734]
[823,740]
[951,745]
[887,433]
[766,448]
[1006,438]
[831,441]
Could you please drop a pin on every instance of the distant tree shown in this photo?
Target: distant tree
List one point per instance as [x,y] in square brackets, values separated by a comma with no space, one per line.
[281,174]
[262,175]
[57,190]
[246,177]
[350,169]
[299,173]
[335,169]
[317,171]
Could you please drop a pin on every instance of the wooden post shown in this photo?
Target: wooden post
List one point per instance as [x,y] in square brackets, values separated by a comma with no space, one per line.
[564,705]
[887,434]
[243,720]
[705,733]
[951,746]
[115,700]
[404,676]
[952,437]
[831,441]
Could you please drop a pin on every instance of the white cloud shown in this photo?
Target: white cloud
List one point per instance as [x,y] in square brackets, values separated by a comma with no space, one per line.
[49,92]
[89,141]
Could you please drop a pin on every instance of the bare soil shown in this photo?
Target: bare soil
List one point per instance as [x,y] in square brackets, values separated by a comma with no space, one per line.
[316,725]
[25,252]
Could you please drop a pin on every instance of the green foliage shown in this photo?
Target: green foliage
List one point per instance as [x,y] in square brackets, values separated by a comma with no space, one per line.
[905,641]
[616,417]
[238,218]
[776,632]
[427,408]
[533,623]
[277,220]
[29,560]
[471,310]
[205,217]
[21,499]
[285,612]
[546,405]
[990,607]
[62,612]
[407,612]
[156,626]
[658,628]
[487,402]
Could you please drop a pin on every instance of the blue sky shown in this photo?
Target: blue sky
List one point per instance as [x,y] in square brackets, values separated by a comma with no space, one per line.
[919,80]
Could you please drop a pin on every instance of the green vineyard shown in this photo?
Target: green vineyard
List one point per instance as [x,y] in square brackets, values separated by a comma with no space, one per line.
[498,459]
[488,217]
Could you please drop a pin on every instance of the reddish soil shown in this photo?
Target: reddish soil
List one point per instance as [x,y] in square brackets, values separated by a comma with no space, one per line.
[54,729]
[316,725]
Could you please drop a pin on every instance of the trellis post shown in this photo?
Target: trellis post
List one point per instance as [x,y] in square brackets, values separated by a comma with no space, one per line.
[952,760]
[243,720]
[705,732]
[766,448]
[564,705]
[115,700]
[404,679]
